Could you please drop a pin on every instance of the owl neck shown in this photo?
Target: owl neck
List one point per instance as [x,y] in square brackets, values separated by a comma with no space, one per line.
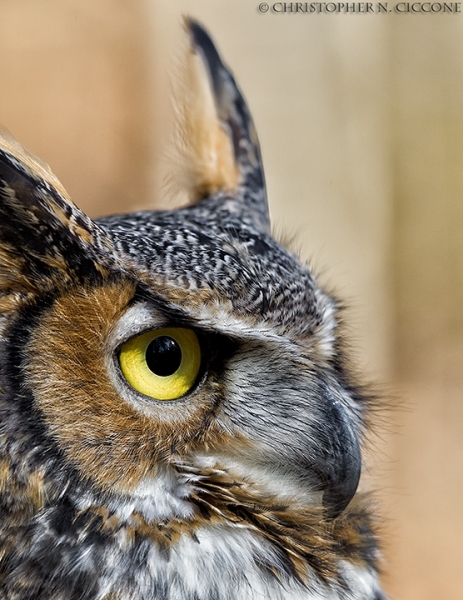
[222,537]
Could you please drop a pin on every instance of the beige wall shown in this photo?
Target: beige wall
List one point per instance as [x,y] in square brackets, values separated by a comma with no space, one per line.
[73,89]
[361,123]
[427,150]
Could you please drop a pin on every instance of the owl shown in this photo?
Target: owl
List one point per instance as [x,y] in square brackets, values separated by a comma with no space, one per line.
[178,420]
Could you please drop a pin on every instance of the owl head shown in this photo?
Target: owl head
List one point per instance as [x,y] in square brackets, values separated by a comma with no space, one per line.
[174,396]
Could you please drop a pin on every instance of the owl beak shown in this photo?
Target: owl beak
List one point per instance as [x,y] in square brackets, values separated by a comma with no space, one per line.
[339,464]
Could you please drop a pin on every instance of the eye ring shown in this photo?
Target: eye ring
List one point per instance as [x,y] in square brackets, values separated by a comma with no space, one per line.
[176,357]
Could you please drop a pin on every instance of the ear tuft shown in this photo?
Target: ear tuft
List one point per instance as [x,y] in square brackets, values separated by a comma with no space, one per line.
[34,165]
[206,161]
[46,242]
[217,159]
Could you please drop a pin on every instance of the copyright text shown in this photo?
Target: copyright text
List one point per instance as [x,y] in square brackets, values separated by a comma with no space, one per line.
[360,7]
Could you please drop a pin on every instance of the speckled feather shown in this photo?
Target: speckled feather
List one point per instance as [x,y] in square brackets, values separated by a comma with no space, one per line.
[246,487]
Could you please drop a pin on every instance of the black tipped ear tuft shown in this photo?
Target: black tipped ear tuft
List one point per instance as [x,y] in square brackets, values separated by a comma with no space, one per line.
[220,147]
[230,104]
[45,240]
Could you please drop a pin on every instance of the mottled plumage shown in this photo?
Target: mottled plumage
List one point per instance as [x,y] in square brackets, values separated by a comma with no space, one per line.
[245,485]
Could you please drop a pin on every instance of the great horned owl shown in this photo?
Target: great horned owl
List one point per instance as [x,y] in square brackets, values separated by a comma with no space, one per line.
[177,420]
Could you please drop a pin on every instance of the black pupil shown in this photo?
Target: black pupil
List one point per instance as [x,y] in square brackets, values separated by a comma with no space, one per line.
[163,356]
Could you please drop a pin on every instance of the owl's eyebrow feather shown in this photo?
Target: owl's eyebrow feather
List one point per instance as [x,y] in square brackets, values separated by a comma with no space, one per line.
[168,309]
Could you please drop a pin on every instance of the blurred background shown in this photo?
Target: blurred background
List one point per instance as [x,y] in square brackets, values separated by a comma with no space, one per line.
[361,124]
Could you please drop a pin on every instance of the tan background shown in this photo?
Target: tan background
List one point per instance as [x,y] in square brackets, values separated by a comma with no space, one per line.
[361,124]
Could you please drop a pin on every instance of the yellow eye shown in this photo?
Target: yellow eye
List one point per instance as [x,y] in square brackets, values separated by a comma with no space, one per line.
[162,364]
